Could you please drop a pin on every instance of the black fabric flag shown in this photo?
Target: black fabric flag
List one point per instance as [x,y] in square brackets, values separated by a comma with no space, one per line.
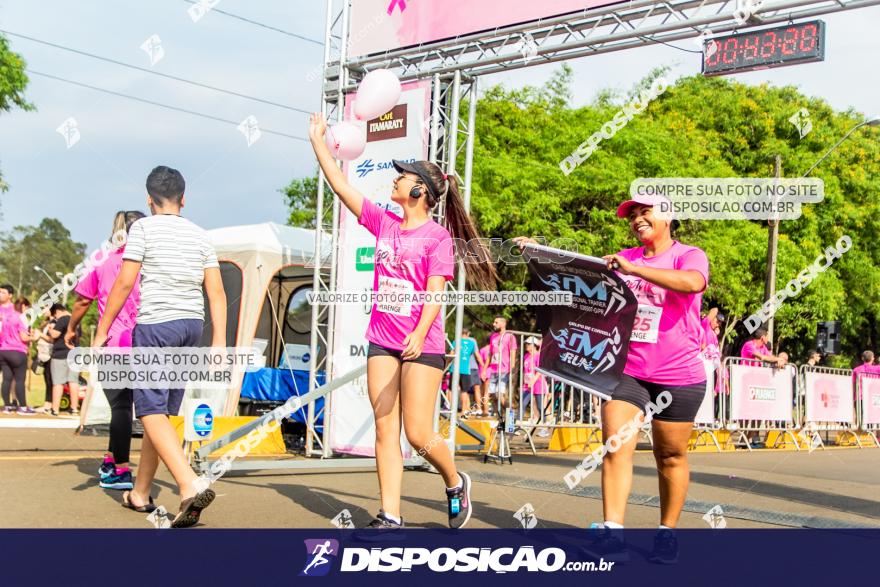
[585,343]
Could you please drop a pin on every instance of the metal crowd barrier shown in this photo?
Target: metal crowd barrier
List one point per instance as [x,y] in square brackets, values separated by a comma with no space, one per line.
[833,409]
[868,405]
[759,399]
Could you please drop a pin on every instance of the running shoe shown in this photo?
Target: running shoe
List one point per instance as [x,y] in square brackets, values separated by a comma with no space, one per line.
[379,529]
[107,468]
[117,480]
[665,551]
[459,503]
[26,411]
[609,545]
[9,410]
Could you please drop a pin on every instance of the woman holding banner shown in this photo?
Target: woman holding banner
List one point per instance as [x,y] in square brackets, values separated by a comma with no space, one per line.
[663,368]
[405,360]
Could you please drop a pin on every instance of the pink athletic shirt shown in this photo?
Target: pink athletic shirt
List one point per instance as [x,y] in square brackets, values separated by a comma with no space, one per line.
[665,346]
[530,362]
[96,285]
[489,368]
[12,326]
[751,347]
[405,259]
[508,345]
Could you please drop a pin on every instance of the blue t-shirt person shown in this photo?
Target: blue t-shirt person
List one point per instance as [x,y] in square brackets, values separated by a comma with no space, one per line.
[468,350]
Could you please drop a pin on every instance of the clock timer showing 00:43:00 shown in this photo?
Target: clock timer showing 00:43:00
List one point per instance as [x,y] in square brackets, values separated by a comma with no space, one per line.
[796,43]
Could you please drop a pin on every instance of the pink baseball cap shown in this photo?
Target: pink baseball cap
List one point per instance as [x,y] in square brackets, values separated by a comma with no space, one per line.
[641,200]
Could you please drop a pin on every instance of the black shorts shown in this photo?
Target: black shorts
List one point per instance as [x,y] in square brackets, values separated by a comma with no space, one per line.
[686,399]
[438,361]
[465,383]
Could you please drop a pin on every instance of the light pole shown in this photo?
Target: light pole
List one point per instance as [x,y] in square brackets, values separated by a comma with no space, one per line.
[770,284]
[43,271]
[873,121]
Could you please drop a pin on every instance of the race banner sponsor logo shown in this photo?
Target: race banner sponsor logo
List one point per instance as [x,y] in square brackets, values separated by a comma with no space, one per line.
[585,342]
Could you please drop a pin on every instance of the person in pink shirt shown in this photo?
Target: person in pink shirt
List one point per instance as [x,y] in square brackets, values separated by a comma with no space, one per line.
[405,358]
[114,472]
[668,279]
[756,348]
[14,339]
[502,356]
[485,373]
[534,384]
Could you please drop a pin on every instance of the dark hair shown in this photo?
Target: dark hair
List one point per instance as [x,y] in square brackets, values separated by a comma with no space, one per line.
[759,333]
[55,307]
[8,288]
[20,303]
[673,226]
[165,185]
[481,273]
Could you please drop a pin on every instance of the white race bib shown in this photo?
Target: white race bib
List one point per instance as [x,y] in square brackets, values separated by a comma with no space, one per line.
[389,287]
[647,324]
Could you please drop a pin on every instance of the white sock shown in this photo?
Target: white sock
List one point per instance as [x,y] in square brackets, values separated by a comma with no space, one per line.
[458,486]
[662,527]
[613,526]
[394,519]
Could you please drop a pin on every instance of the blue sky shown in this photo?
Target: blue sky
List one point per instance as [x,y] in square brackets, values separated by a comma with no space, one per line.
[228,182]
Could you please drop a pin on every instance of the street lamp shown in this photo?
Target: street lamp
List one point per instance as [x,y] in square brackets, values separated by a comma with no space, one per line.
[38,268]
[873,121]
[770,283]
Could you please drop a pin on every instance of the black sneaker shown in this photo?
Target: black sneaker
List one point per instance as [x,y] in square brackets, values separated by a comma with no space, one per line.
[381,528]
[665,551]
[608,545]
[458,502]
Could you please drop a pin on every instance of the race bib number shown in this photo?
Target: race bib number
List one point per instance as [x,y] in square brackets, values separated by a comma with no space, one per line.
[395,296]
[647,324]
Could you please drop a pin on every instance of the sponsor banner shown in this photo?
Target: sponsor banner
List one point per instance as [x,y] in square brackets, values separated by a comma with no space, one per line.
[391,125]
[382,25]
[760,393]
[829,397]
[586,342]
[352,429]
[870,399]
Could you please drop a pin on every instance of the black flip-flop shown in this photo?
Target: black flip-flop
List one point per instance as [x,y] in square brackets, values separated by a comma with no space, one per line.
[191,509]
[144,509]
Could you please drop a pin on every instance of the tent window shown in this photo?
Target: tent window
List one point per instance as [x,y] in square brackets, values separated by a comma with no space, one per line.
[299,311]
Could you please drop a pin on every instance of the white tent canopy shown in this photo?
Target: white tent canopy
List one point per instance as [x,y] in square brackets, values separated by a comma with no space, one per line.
[261,252]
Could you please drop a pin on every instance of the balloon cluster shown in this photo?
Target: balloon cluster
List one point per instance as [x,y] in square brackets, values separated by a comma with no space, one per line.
[377,93]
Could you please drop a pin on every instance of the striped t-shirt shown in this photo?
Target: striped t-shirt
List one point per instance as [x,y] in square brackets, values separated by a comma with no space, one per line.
[174,254]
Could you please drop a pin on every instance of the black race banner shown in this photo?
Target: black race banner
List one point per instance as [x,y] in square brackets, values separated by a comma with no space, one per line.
[585,343]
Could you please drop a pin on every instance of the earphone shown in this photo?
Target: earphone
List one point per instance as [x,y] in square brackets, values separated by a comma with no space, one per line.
[415,192]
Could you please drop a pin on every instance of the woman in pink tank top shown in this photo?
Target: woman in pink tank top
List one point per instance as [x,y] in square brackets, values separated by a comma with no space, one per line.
[414,255]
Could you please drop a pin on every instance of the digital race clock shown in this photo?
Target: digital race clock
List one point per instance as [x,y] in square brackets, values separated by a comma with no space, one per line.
[765,48]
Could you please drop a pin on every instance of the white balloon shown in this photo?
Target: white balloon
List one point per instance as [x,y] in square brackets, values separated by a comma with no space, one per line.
[346,140]
[377,93]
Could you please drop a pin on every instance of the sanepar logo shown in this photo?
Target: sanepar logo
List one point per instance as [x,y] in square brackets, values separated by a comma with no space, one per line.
[441,560]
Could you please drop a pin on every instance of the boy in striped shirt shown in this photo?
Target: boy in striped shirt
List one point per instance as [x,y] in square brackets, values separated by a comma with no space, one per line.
[175,259]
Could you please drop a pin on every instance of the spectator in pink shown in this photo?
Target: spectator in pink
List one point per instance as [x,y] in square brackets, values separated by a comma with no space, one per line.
[14,339]
[485,373]
[502,350]
[756,348]
[867,366]
[534,384]
[114,472]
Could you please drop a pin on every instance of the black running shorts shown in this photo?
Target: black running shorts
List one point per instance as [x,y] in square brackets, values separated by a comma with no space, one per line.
[437,361]
[686,399]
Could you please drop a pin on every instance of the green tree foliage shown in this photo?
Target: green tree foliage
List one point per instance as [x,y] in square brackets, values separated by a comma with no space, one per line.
[13,81]
[48,246]
[299,195]
[700,127]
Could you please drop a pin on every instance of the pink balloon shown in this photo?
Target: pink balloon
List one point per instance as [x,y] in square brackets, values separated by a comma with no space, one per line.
[377,93]
[346,140]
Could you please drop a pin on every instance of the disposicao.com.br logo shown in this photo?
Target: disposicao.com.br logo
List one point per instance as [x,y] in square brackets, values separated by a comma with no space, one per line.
[444,559]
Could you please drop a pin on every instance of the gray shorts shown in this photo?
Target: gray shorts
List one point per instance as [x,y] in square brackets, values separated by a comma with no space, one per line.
[62,373]
[174,333]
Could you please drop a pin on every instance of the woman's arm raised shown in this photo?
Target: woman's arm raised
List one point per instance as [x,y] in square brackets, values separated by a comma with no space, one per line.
[349,196]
